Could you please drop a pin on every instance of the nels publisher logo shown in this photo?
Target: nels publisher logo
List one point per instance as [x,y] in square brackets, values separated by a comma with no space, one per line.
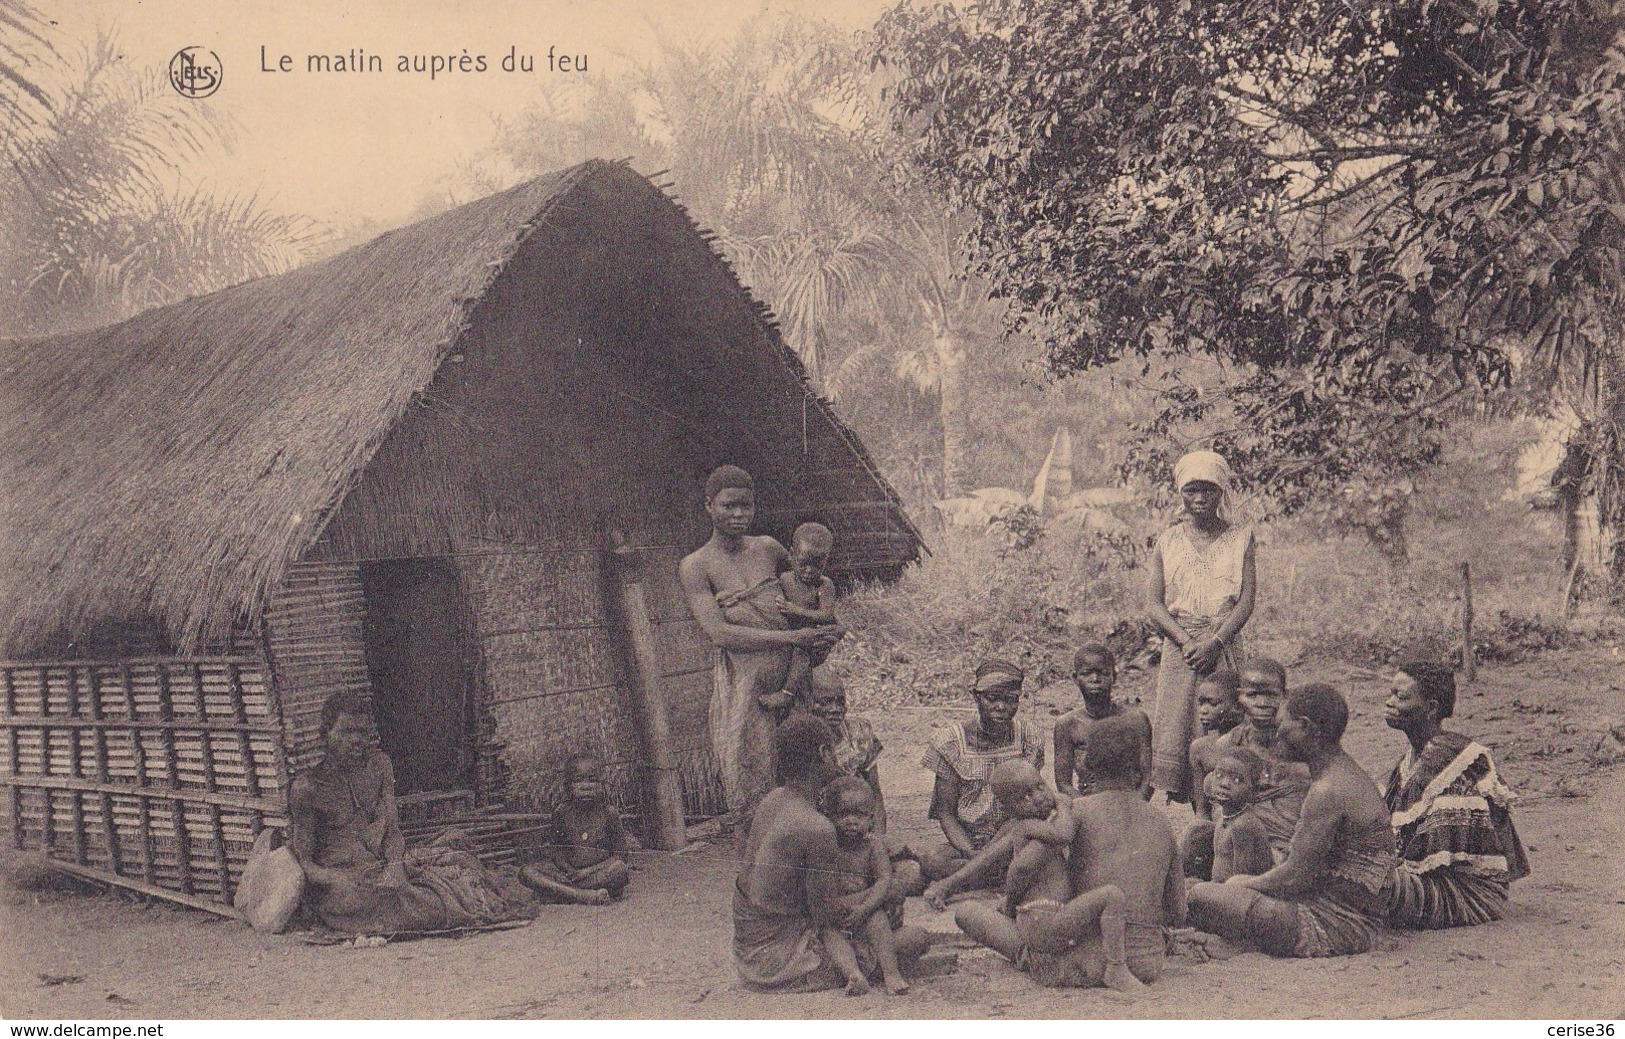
[195,72]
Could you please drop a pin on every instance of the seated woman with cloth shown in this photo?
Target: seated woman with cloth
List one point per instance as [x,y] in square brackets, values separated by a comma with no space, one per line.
[360,876]
[1458,850]
[964,755]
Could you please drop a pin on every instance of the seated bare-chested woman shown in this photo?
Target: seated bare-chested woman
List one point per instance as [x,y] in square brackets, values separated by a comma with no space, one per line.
[1327,897]
[1095,915]
[784,896]
[346,834]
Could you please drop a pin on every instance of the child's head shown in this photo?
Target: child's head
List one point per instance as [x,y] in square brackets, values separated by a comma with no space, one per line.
[584,775]
[1218,704]
[826,696]
[1094,668]
[849,803]
[1237,775]
[1263,688]
[1112,753]
[810,547]
[1021,790]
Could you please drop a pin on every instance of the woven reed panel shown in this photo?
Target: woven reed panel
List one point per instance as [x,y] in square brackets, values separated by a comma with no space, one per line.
[685,655]
[315,624]
[552,678]
[162,770]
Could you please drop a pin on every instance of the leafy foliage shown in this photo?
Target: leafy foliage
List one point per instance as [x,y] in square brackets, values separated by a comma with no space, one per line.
[1358,209]
[94,226]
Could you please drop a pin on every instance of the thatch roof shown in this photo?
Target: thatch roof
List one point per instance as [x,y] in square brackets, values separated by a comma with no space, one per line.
[173,465]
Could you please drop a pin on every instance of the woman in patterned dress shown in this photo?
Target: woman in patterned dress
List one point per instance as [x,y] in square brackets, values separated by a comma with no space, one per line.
[964,755]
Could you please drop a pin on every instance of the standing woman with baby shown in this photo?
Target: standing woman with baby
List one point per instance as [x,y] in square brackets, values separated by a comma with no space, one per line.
[1200,595]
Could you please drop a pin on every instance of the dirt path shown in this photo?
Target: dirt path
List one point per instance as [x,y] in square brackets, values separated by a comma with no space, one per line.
[665,951]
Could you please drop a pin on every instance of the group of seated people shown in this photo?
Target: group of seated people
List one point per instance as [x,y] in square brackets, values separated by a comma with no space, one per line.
[361,878]
[1294,850]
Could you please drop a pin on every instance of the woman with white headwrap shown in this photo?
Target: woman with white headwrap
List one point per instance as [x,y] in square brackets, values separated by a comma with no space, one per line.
[1201,595]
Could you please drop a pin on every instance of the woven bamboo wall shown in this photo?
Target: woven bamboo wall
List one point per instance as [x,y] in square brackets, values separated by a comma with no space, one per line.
[162,771]
[315,628]
[552,680]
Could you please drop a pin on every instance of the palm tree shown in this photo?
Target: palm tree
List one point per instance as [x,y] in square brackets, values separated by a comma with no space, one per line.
[22,45]
[94,232]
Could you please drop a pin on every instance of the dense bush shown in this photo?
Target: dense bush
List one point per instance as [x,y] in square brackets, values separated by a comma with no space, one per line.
[1033,592]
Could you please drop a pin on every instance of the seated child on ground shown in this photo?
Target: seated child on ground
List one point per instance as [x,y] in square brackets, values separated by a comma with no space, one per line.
[874,911]
[1039,922]
[586,859]
[809,596]
[1240,843]
[1094,670]
[1033,813]
[1218,710]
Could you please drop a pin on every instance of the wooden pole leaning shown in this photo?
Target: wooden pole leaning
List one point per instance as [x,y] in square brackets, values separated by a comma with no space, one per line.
[1469,659]
[667,830]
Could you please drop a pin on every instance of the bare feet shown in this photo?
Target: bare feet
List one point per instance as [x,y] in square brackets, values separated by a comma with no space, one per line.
[597,897]
[857,987]
[897,986]
[1120,979]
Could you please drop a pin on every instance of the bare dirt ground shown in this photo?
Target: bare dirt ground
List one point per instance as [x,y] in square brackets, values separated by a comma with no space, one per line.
[664,952]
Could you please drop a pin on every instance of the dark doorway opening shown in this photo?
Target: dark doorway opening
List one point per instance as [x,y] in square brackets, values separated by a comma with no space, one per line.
[419,664]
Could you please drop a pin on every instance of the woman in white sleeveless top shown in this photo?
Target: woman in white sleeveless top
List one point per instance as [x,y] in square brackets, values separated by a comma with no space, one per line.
[1201,594]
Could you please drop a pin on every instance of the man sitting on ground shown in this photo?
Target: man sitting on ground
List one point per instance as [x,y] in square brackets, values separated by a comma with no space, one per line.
[1326,898]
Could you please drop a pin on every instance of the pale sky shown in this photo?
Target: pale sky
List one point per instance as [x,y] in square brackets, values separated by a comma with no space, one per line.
[346,147]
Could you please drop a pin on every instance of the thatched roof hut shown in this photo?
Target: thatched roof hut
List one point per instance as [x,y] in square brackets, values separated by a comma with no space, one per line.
[272,478]
[175,464]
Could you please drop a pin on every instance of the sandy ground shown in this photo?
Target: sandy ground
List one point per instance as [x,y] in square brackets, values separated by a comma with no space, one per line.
[664,952]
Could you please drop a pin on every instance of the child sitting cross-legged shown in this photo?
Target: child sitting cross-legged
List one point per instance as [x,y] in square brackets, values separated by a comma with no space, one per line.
[1240,844]
[874,910]
[585,861]
[1061,940]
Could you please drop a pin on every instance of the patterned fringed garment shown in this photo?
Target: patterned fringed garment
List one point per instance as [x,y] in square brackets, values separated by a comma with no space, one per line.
[1345,913]
[1457,846]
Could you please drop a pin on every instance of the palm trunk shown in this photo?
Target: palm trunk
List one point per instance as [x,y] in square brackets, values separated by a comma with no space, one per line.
[954,410]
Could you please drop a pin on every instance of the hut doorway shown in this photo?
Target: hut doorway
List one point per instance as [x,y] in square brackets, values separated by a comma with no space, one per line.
[418,663]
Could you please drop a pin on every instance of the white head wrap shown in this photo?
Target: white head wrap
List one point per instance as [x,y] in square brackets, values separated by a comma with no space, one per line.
[1203,465]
